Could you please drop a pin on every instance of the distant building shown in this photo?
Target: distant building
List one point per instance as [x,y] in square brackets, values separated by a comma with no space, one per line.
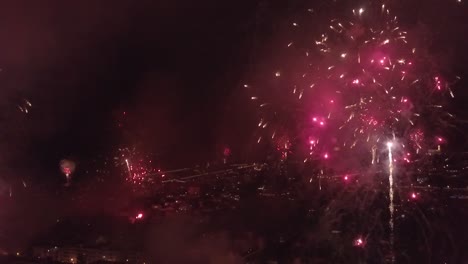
[84,255]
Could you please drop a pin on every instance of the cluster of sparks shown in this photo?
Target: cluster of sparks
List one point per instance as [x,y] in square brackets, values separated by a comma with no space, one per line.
[24,106]
[360,85]
[361,89]
[138,167]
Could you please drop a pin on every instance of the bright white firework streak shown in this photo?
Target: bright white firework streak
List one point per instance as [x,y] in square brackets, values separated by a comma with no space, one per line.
[390,194]
[128,168]
[374,153]
[67,177]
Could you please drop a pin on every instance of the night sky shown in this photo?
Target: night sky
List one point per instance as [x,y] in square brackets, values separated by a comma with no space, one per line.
[175,68]
[170,66]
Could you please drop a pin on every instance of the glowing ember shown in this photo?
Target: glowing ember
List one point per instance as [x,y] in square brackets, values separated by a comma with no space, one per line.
[359,242]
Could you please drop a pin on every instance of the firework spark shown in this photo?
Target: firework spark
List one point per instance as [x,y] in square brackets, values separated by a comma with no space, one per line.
[391,206]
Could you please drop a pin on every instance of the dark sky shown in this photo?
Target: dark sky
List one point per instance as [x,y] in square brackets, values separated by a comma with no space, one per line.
[170,65]
[176,68]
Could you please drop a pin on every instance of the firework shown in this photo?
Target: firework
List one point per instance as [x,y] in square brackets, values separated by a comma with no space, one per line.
[67,167]
[391,206]
[364,81]
[359,242]
[139,216]
[361,89]
[24,106]
[138,168]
